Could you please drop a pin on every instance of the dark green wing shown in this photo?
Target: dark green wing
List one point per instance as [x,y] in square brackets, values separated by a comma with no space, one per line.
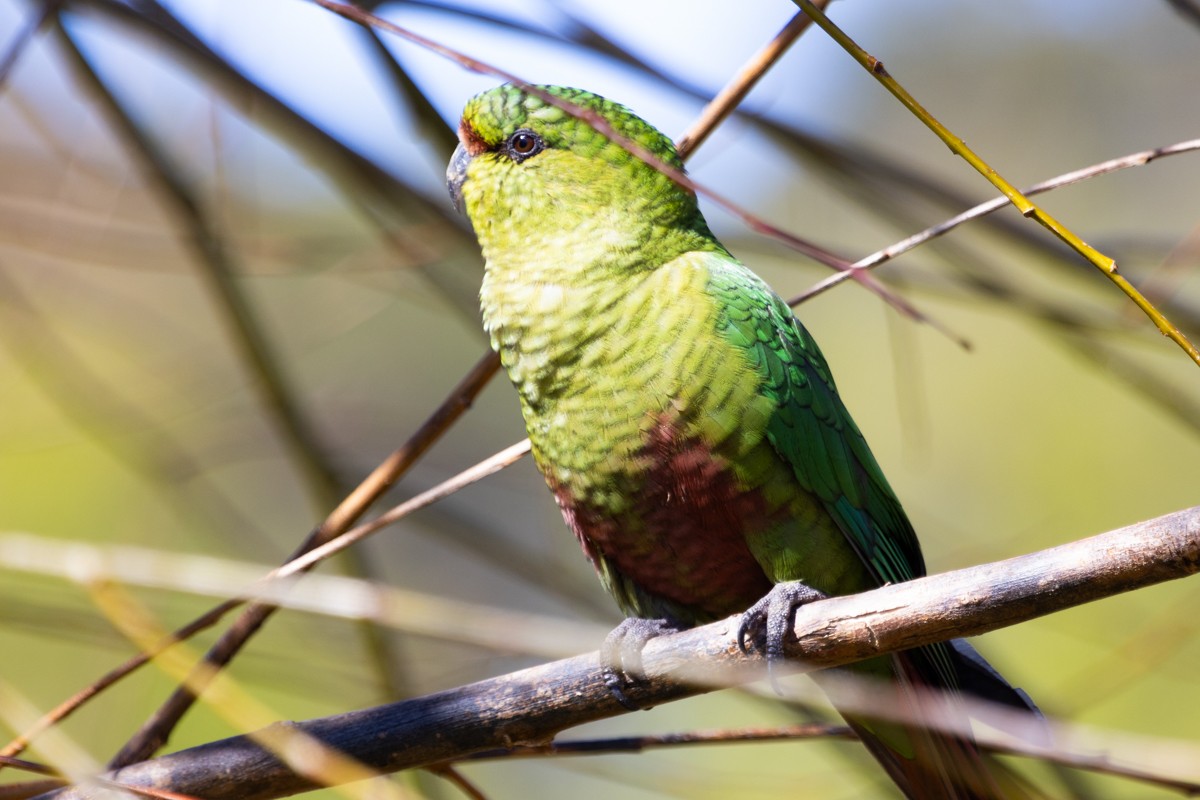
[814,433]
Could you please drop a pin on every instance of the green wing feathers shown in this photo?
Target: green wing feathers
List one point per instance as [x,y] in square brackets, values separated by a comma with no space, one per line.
[812,431]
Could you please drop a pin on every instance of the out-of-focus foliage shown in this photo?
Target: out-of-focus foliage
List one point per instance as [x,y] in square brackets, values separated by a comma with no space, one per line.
[230,282]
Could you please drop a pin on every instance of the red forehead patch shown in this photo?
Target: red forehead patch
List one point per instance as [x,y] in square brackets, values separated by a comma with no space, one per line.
[471,140]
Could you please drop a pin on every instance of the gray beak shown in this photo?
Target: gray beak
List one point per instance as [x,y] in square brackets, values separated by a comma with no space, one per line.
[456,175]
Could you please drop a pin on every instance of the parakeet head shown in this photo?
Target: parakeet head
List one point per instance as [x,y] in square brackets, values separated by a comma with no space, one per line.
[530,175]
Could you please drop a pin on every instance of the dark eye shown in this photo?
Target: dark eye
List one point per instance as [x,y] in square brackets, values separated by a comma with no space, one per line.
[523,144]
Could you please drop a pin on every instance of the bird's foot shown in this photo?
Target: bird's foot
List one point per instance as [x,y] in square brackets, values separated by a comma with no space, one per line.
[771,620]
[621,654]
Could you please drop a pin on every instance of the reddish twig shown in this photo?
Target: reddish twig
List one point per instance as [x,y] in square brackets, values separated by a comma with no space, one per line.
[153,733]
[601,125]
[730,97]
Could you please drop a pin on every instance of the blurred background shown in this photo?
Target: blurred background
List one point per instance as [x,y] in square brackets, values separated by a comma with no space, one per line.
[231,283]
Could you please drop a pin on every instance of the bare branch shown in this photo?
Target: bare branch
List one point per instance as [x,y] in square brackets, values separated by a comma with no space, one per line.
[154,732]
[338,521]
[1138,159]
[218,270]
[729,98]
[1102,262]
[531,706]
[1100,764]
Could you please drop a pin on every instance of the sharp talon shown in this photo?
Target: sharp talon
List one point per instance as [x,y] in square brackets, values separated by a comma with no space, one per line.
[614,681]
[752,625]
[772,616]
[621,655]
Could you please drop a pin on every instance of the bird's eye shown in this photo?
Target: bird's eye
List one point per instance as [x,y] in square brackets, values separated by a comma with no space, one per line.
[523,144]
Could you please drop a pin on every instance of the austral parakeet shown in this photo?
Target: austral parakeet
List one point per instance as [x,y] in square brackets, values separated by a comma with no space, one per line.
[686,422]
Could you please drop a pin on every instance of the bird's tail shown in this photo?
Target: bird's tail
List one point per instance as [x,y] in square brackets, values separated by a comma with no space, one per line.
[939,759]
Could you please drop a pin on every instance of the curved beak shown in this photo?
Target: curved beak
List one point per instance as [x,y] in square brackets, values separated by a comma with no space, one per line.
[456,175]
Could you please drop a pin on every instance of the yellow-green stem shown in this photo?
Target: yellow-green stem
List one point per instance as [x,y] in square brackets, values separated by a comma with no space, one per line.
[1027,208]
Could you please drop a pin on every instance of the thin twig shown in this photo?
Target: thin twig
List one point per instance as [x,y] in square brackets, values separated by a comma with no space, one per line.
[153,733]
[428,123]
[533,705]
[1070,325]
[1168,277]
[601,125]
[67,707]
[489,466]
[850,165]
[353,506]
[320,764]
[1075,176]
[27,789]
[29,766]
[86,395]
[987,741]
[414,226]
[420,613]
[219,271]
[36,19]
[1188,9]
[396,465]
[454,776]
[1102,262]
[729,98]
[638,744]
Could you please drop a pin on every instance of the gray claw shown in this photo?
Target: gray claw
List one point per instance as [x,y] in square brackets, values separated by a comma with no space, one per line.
[621,654]
[772,617]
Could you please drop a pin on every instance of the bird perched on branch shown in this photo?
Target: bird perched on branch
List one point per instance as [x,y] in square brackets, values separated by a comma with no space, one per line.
[685,421]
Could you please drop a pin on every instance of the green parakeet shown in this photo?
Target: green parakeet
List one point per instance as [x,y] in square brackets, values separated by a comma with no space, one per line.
[685,421]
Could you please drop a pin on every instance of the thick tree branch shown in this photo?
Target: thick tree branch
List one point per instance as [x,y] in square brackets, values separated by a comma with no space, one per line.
[533,705]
